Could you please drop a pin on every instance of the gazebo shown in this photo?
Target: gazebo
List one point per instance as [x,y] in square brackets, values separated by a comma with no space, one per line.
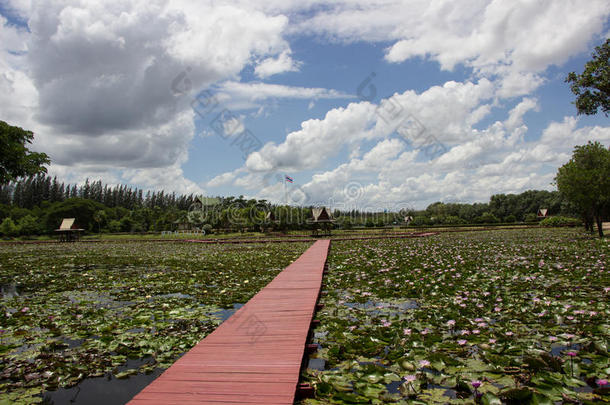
[68,230]
[542,213]
[408,219]
[322,221]
[269,223]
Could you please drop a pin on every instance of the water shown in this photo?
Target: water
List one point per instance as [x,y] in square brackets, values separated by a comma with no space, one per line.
[101,390]
[560,350]
[225,314]
[317,364]
[411,304]
[172,295]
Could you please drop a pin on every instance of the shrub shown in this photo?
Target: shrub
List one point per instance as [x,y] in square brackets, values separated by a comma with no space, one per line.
[487,218]
[453,220]
[8,228]
[531,217]
[114,226]
[420,220]
[510,219]
[29,225]
[560,221]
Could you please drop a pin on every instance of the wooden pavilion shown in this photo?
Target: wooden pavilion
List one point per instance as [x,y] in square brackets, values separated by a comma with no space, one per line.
[322,221]
[68,231]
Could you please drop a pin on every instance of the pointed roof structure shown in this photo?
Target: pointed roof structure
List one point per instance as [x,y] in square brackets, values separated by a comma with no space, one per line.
[68,231]
[542,213]
[321,214]
[67,223]
[270,217]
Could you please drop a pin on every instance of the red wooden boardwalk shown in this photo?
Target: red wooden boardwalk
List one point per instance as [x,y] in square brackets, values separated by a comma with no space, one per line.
[255,356]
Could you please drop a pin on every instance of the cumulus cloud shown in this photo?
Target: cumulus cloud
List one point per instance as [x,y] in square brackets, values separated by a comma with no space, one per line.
[106,87]
[107,82]
[253,91]
[441,113]
[274,65]
[475,163]
[513,41]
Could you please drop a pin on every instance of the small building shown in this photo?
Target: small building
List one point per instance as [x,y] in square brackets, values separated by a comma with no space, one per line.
[68,231]
[270,218]
[184,225]
[270,222]
[408,219]
[542,213]
[322,221]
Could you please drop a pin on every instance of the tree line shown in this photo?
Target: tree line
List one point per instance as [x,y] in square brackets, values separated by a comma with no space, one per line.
[37,204]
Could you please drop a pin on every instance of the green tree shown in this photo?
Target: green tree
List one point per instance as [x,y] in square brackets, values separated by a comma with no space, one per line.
[29,225]
[487,218]
[81,209]
[99,217]
[531,217]
[585,180]
[8,227]
[16,160]
[592,86]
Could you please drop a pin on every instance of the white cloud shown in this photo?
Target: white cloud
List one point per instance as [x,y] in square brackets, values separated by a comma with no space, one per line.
[515,118]
[274,65]
[512,40]
[105,83]
[477,162]
[254,91]
[441,112]
[316,141]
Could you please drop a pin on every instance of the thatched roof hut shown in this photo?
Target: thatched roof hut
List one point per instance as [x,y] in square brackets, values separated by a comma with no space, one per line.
[321,215]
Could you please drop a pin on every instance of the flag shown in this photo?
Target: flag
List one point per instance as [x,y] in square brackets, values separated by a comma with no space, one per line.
[288,178]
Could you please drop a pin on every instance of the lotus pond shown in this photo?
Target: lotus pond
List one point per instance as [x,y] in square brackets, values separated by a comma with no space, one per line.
[480,317]
[77,312]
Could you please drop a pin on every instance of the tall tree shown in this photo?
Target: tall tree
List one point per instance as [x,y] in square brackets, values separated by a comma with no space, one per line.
[592,86]
[585,180]
[16,160]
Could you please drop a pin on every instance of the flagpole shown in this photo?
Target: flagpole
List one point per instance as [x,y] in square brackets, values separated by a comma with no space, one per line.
[285,192]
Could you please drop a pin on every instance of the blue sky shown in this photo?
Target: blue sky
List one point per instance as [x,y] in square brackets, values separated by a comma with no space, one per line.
[482,81]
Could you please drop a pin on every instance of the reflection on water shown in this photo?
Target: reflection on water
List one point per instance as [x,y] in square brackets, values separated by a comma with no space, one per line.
[224,314]
[103,390]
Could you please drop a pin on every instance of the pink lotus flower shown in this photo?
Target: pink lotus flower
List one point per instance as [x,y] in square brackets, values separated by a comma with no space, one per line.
[410,378]
[450,322]
[406,331]
[476,384]
[509,333]
[601,382]
[572,354]
[424,363]
[462,342]
[25,309]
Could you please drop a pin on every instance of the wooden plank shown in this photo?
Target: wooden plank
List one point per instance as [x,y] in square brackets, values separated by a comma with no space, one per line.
[255,356]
